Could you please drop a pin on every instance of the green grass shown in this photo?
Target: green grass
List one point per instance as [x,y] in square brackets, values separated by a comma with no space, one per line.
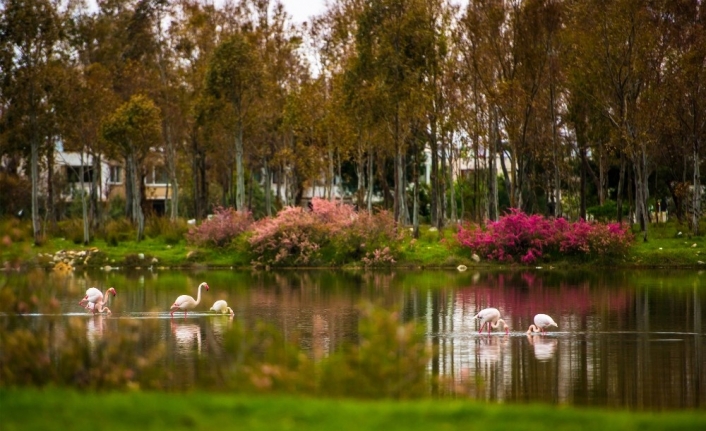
[665,247]
[31,409]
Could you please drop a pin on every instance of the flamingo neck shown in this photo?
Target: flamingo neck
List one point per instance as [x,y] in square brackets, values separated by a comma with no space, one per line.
[496,324]
[532,328]
[198,295]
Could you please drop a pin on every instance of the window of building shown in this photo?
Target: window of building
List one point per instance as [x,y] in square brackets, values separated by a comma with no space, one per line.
[73,174]
[116,174]
[157,175]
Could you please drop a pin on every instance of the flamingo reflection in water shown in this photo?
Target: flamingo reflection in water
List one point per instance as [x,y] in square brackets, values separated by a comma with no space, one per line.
[187,335]
[544,348]
[491,349]
[94,329]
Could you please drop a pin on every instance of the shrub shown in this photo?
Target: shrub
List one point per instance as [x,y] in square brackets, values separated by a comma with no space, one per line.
[220,230]
[171,231]
[298,236]
[527,238]
[293,237]
[389,361]
[118,230]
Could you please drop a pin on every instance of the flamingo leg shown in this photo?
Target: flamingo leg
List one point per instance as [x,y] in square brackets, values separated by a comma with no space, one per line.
[481,328]
[185,314]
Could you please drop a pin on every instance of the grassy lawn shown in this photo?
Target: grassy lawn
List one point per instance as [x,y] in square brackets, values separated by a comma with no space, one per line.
[30,409]
[668,245]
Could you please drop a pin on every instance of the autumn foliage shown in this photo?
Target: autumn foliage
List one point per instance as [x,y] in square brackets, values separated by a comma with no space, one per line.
[528,238]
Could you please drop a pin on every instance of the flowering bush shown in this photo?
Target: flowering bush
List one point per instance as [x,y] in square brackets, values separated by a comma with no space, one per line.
[527,238]
[290,238]
[220,230]
[379,258]
[298,236]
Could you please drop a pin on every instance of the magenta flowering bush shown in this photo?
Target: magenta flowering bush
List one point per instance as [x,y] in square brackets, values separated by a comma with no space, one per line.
[528,238]
[221,229]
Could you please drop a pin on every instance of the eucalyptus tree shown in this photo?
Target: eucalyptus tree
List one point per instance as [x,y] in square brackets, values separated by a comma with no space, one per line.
[29,33]
[194,36]
[279,44]
[394,41]
[82,101]
[234,76]
[618,49]
[134,128]
[685,125]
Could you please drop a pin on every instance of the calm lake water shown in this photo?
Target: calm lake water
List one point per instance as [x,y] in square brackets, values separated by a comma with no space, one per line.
[631,339]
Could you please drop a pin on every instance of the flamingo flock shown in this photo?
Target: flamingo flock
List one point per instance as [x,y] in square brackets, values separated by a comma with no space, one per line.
[96,302]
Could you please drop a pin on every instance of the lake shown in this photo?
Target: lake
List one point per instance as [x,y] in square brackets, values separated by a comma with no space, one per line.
[625,338]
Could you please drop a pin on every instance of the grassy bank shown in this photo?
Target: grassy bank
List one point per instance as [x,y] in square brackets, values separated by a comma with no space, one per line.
[669,245]
[30,409]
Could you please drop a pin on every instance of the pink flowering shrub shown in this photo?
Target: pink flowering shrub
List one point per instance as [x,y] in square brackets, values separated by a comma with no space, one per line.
[219,231]
[378,258]
[299,236]
[528,238]
[290,238]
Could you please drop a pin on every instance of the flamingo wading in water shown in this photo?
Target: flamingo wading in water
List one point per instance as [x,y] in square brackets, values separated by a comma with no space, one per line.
[222,307]
[491,317]
[95,300]
[541,323]
[187,302]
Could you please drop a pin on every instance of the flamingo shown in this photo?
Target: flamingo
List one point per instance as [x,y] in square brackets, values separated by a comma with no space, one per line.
[490,317]
[186,302]
[541,323]
[95,299]
[222,307]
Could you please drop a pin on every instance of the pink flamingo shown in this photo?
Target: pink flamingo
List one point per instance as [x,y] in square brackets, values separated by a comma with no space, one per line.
[541,323]
[491,317]
[186,302]
[95,300]
[222,307]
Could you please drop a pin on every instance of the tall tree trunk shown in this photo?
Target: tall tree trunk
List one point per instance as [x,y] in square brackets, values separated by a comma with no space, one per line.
[434,178]
[621,186]
[696,197]
[84,204]
[267,188]
[582,180]
[330,175]
[493,169]
[371,180]
[360,175]
[240,174]
[641,189]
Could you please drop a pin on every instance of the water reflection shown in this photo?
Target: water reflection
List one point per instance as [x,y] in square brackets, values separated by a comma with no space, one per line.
[632,339]
[544,348]
[187,336]
[95,329]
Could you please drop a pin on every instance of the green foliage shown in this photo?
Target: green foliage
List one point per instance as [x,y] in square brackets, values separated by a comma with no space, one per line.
[171,232]
[71,229]
[389,361]
[30,409]
[607,212]
[15,196]
[117,231]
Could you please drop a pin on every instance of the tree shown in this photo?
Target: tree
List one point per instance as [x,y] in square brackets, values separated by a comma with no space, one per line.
[29,32]
[233,75]
[133,129]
